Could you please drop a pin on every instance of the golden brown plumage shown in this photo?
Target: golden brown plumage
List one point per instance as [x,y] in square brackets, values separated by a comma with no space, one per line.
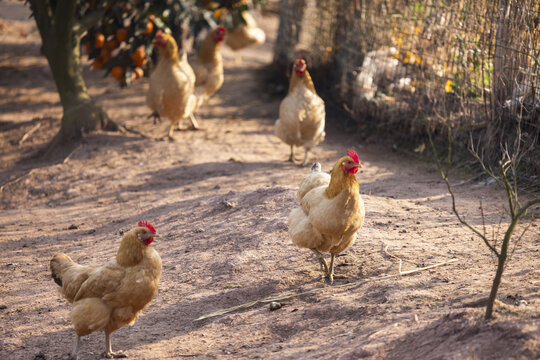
[208,66]
[110,296]
[172,84]
[301,113]
[244,35]
[331,210]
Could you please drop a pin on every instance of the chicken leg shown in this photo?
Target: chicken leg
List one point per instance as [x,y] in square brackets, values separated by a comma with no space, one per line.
[155,116]
[194,123]
[291,158]
[328,270]
[73,355]
[171,131]
[305,158]
[322,262]
[108,350]
[331,269]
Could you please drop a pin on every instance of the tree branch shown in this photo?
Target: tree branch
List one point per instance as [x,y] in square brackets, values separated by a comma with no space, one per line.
[454,209]
[509,193]
[93,17]
[524,208]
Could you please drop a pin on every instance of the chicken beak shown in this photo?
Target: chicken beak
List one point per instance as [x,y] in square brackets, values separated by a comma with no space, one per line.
[155,235]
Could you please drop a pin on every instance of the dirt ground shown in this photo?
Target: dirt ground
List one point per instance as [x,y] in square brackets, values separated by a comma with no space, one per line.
[220,199]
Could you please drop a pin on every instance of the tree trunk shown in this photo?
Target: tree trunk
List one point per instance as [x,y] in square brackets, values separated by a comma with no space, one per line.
[81,114]
[500,267]
[61,47]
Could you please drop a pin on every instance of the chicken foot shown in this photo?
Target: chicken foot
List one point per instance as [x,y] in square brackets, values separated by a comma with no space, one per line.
[108,350]
[328,270]
[305,158]
[155,116]
[322,262]
[194,123]
[291,158]
[331,269]
[171,131]
[73,355]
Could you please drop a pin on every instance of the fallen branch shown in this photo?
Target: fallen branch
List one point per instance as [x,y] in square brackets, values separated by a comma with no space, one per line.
[401,263]
[11,181]
[15,179]
[67,158]
[29,132]
[321,289]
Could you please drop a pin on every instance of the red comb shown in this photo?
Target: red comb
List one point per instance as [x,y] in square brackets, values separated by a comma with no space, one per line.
[353,155]
[221,29]
[159,32]
[149,226]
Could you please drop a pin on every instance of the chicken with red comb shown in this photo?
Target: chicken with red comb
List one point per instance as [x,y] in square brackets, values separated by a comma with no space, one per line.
[172,85]
[208,66]
[331,211]
[301,113]
[110,296]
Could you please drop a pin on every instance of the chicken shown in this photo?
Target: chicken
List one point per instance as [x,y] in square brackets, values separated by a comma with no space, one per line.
[110,296]
[244,35]
[172,84]
[208,66]
[301,113]
[331,211]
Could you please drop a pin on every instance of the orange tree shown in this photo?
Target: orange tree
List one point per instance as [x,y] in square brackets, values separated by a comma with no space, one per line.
[117,36]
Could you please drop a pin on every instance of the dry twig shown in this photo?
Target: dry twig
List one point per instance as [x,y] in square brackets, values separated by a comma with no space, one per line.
[322,289]
[29,132]
[14,179]
[67,158]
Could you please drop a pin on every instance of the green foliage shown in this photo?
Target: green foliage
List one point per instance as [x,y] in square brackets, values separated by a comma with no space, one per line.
[472,79]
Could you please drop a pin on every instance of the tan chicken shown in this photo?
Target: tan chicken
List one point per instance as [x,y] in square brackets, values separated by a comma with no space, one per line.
[244,35]
[331,211]
[301,113]
[208,66]
[110,296]
[172,84]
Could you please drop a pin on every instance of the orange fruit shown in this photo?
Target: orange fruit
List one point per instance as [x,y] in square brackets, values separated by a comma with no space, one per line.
[219,13]
[139,53]
[112,44]
[105,54]
[139,56]
[140,62]
[100,40]
[149,27]
[117,72]
[138,73]
[121,34]
[98,63]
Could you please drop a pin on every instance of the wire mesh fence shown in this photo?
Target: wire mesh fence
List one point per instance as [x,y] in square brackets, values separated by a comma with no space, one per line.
[463,64]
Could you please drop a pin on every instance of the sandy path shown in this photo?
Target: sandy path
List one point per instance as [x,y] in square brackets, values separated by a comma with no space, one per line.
[216,255]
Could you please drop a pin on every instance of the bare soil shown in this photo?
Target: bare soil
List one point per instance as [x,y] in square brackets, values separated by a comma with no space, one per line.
[220,200]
